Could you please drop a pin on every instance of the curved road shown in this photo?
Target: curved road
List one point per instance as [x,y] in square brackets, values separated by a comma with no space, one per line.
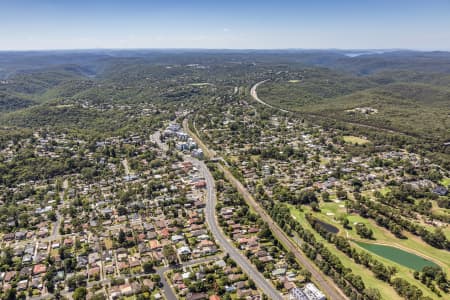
[326,284]
[255,96]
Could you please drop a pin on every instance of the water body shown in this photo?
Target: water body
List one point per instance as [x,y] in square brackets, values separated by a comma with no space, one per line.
[399,256]
[328,227]
[356,54]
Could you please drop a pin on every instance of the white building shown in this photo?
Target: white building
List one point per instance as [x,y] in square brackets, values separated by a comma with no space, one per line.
[312,292]
[184,250]
[198,153]
[297,294]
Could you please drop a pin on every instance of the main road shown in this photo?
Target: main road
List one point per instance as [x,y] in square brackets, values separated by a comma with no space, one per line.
[211,219]
[255,96]
[325,283]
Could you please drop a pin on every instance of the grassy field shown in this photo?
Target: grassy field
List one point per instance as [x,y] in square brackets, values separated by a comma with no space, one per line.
[443,212]
[385,190]
[108,243]
[445,181]
[383,236]
[355,140]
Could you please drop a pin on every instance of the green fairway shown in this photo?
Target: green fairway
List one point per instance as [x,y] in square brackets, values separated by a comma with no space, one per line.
[399,256]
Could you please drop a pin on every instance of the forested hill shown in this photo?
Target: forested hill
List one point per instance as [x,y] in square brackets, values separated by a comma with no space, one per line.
[408,89]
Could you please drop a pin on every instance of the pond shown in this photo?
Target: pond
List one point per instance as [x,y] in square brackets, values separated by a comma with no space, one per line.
[328,227]
[399,256]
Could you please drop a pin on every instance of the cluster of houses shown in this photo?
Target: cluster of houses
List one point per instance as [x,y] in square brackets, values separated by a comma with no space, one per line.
[136,110]
[326,157]
[236,282]
[262,252]
[107,227]
[133,204]
[318,160]
[323,164]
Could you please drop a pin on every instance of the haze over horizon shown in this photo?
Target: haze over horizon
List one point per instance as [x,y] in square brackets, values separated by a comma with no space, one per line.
[324,24]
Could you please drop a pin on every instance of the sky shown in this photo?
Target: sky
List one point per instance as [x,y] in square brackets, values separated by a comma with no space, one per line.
[227,24]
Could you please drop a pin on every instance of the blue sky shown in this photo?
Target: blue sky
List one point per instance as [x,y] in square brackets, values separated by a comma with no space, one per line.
[276,24]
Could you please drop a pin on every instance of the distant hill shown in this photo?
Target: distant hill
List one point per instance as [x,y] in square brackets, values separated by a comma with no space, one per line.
[409,88]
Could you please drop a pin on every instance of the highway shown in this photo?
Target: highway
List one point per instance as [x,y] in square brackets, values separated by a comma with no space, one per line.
[255,96]
[330,289]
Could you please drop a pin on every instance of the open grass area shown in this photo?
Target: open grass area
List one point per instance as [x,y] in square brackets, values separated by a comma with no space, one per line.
[384,191]
[370,193]
[233,158]
[255,157]
[386,291]
[324,160]
[443,212]
[445,181]
[108,243]
[355,140]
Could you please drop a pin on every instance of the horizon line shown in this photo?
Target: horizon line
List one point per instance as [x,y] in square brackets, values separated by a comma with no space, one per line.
[225,49]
